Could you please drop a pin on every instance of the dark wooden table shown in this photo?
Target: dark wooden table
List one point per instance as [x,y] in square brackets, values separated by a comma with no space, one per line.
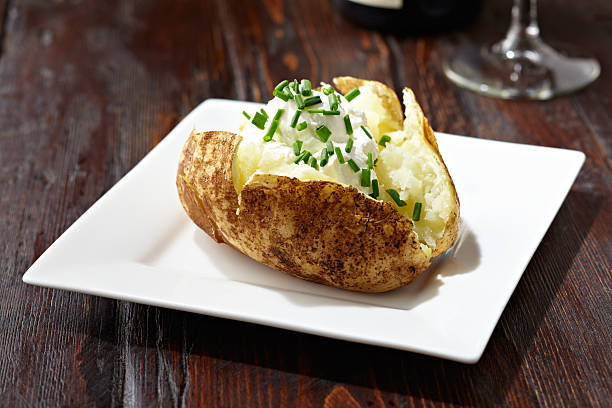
[88,87]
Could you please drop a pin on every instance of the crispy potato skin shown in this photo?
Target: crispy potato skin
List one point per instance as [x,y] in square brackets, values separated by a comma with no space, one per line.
[315,230]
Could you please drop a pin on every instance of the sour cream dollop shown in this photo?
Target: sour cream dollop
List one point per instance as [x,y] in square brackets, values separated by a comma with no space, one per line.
[277,156]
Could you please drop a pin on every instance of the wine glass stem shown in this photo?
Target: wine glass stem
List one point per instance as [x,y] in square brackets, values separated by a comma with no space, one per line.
[524,30]
[525,18]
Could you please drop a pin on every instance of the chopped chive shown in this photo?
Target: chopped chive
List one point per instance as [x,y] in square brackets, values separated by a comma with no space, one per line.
[323,132]
[279,113]
[365,178]
[302,126]
[352,95]
[288,93]
[329,90]
[384,140]
[300,157]
[259,120]
[271,131]
[305,87]
[281,95]
[339,155]
[295,118]
[416,213]
[299,100]
[395,196]
[246,115]
[349,145]
[316,110]
[366,131]
[375,191]
[264,113]
[347,125]
[331,112]
[324,157]
[281,85]
[330,147]
[353,165]
[294,86]
[307,155]
[312,162]
[333,101]
[297,147]
[312,100]
[370,162]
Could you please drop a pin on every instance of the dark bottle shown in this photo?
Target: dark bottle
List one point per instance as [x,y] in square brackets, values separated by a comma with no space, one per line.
[410,16]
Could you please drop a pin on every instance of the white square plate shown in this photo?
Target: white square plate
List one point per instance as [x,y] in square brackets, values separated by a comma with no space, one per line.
[136,243]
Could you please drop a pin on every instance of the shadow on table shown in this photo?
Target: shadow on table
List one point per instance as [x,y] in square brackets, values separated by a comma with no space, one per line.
[266,353]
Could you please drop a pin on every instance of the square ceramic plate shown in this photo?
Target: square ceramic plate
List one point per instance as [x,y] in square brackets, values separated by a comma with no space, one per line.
[136,243]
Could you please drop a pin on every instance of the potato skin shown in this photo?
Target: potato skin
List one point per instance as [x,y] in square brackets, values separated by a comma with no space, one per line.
[315,230]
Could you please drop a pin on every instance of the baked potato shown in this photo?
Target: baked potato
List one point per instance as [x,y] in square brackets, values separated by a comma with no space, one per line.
[338,188]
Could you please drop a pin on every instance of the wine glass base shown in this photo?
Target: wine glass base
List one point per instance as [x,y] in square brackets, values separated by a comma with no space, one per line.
[538,72]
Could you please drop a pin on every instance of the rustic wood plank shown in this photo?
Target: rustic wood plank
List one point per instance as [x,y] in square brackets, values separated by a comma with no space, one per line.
[88,88]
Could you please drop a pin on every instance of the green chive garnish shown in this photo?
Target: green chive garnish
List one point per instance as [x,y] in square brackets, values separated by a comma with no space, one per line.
[259,120]
[330,147]
[347,125]
[306,157]
[333,101]
[281,85]
[315,110]
[246,115]
[305,87]
[302,126]
[288,93]
[299,100]
[271,130]
[366,131]
[349,145]
[328,90]
[365,178]
[370,162]
[324,157]
[281,95]
[279,113]
[375,191]
[339,155]
[352,95]
[300,157]
[264,113]
[294,86]
[295,118]
[313,163]
[384,140]
[395,196]
[416,213]
[323,132]
[297,147]
[353,165]
[331,112]
[312,100]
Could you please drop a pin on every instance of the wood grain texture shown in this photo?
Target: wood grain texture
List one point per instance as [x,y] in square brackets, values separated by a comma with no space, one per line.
[87,88]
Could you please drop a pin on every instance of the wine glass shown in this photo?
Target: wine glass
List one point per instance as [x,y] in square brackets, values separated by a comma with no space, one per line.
[521,65]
